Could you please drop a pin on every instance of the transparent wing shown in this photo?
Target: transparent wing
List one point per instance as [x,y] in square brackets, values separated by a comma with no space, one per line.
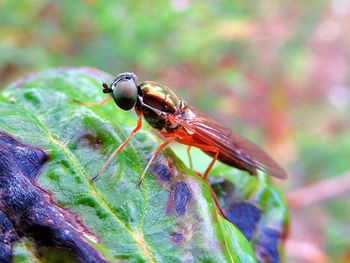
[229,142]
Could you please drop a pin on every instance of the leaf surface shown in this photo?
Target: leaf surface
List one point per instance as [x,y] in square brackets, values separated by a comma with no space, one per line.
[171,218]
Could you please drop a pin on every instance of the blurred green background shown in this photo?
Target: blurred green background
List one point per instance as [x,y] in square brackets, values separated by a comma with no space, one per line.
[275,71]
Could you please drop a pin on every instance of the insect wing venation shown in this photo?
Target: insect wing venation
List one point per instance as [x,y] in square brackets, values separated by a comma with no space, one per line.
[229,142]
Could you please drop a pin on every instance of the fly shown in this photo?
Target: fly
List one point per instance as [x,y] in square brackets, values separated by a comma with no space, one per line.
[174,119]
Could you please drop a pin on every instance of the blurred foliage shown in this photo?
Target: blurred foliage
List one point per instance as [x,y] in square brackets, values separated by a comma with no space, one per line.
[276,71]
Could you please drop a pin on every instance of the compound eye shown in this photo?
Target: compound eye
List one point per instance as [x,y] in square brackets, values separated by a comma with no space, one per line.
[124,93]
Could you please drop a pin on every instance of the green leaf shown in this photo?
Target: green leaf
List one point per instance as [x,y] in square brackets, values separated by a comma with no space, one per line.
[255,207]
[236,242]
[26,252]
[171,218]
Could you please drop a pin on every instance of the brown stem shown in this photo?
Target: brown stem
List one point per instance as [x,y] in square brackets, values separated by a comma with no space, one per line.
[320,191]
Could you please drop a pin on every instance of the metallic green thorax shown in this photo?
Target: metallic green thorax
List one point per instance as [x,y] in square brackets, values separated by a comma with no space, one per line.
[159,96]
[158,100]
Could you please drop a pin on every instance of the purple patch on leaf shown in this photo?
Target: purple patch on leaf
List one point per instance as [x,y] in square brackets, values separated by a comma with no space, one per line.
[267,247]
[245,216]
[162,171]
[181,198]
[176,237]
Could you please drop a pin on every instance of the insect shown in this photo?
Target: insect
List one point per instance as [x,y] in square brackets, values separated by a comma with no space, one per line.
[174,119]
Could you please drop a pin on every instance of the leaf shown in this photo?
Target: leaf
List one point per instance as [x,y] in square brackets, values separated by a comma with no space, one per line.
[26,252]
[255,207]
[29,211]
[171,218]
[233,239]
[251,203]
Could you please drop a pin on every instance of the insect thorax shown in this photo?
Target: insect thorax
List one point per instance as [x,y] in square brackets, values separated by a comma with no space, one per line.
[157,101]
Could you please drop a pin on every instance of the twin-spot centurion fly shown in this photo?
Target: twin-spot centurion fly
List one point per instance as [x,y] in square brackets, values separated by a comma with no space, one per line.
[174,119]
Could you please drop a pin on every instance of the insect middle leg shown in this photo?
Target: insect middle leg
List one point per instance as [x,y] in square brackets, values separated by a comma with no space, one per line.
[152,158]
[207,148]
[189,157]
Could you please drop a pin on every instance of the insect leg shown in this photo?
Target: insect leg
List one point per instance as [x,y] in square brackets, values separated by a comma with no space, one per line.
[138,127]
[189,156]
[218,208]
[209,149]
[153,156]
[92,103]
[211,165]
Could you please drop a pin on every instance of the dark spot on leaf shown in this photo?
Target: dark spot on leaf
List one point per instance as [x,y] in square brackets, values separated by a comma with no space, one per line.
[267,247]
[176,237]
[86,200]
[162,171]
[181,198]
[244,216]
[30,210]
[252,220]
[223,189]
[91,139]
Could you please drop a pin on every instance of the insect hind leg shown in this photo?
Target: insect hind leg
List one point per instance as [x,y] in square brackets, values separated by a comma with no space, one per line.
[206,149]
[211,165]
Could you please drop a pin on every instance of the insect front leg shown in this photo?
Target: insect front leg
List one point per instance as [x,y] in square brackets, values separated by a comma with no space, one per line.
[137,128]
[92,103]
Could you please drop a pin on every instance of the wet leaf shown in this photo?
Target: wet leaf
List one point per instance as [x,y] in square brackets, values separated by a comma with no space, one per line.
[171,218]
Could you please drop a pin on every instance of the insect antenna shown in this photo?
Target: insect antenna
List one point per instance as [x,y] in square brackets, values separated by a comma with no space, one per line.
[106,89]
